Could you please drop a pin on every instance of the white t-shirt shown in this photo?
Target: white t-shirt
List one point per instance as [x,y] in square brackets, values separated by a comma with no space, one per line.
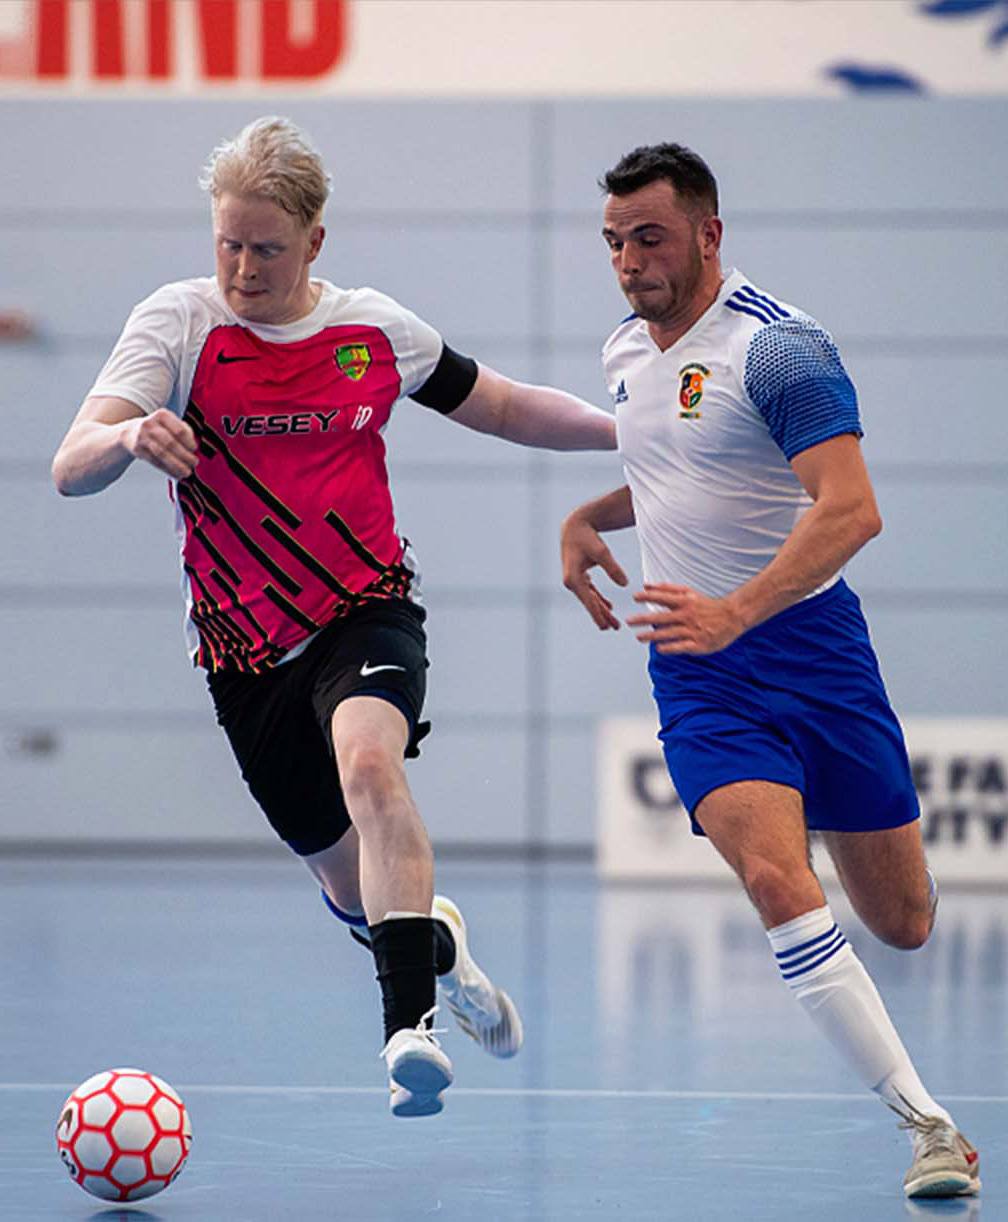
[708,427]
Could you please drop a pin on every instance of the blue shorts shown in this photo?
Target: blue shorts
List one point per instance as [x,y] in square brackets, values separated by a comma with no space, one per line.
[797,700]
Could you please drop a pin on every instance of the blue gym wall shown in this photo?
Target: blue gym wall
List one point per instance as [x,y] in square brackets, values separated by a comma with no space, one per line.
[887,219]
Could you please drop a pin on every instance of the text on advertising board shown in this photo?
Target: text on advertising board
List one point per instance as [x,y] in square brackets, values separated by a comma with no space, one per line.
[297,39]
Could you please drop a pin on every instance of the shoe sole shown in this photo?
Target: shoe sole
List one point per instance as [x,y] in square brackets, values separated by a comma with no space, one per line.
[404,1103]
[943,1184]
[421,1082]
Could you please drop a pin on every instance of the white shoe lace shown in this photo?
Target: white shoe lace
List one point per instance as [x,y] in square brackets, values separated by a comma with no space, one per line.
[422,1029]
[431,1031]
[931,1134]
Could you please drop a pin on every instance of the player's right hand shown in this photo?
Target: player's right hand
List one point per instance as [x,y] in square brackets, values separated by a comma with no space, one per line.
[582,549]
[164,441]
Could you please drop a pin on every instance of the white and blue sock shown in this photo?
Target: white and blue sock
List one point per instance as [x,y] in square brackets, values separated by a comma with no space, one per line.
[820,968]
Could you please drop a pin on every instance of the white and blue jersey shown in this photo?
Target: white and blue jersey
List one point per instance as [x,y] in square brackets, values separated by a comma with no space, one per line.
[707,431]
[708,427]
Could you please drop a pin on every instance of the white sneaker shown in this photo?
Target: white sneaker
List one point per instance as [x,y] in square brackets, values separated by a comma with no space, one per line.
[418,1070]
[944,1163]
[483,1011]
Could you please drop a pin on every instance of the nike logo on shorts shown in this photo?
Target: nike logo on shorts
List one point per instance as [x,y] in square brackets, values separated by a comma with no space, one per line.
[368,669]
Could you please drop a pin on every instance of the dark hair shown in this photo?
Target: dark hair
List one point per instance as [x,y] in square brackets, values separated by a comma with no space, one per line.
[685,170]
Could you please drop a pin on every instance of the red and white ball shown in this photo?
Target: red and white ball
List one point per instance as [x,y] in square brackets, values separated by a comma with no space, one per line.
[123,1135]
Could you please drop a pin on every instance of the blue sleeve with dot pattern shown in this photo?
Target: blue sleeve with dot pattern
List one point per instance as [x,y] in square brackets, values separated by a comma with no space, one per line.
[795,378]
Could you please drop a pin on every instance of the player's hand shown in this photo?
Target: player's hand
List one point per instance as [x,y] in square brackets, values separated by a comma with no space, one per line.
[581,549]
[679,620]
[164,441]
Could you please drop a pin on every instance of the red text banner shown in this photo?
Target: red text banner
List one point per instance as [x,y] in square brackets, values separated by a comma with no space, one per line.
[190,43]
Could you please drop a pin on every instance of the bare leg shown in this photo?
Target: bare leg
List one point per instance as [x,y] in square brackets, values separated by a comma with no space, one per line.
[759,829]
[337,869]
[396,862]
[885,876]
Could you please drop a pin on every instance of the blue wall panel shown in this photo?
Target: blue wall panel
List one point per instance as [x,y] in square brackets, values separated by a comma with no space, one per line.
[940,659]
[470,532]
[117,157]
[479,661]
[936,410]
[888,219]
[945,534]
[126,540]
[592,673]
[71,659]
[470,782]
[42,386]
[145,783]
[781,157]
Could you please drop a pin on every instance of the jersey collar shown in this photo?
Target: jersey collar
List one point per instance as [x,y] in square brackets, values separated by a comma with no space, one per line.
[302,328]
[733,279]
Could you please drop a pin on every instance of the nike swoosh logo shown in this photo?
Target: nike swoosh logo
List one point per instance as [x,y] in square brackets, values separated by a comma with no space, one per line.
[367,669]
[230,360]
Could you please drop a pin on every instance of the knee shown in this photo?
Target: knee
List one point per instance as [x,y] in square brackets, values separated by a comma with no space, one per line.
[904,920]
[371,779]
[908,931]
[781,893]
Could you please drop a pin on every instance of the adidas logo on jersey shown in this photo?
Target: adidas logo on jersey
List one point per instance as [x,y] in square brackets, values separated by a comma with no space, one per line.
[621,395]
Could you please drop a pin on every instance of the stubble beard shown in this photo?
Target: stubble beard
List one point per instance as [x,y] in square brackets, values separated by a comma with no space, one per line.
[678,299]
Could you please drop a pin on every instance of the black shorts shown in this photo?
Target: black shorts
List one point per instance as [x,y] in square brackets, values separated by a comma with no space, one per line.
[277,722]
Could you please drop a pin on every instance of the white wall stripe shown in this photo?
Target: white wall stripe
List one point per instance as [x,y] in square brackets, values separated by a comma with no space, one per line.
[519,1093]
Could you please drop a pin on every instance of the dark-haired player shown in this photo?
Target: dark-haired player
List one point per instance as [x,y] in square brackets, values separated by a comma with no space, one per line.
[739,432]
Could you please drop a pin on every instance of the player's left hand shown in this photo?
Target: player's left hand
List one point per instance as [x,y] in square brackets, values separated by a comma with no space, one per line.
[679,620]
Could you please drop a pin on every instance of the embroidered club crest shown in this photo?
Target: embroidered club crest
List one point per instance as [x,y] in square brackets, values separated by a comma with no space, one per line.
[353,359]
[691,384]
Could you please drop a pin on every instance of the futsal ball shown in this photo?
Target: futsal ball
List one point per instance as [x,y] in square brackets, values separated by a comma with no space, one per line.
[123,1135]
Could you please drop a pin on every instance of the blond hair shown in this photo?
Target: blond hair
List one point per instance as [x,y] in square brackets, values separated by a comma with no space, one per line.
[272,158]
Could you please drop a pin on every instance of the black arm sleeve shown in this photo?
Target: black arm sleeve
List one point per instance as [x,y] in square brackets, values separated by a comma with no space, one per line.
[449,385]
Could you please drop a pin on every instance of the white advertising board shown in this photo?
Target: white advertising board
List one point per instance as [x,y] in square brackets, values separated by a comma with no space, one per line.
[545,48]
[960,769]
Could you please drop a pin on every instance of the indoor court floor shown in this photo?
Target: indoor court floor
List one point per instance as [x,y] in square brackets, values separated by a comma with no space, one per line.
[667,1073]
